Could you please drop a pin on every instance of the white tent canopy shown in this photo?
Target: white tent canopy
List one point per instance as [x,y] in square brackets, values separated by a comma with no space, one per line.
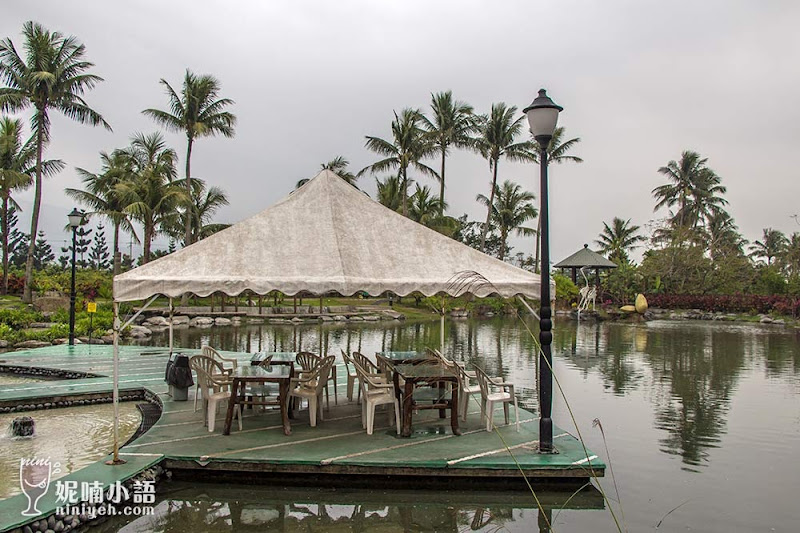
[325,237]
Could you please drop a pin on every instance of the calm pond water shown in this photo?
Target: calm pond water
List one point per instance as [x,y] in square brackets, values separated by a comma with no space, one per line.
[702,422]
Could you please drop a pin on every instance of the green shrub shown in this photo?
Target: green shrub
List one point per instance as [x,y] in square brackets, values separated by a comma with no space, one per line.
[5,331]
[57,331]
[19,318]
[103,320]
[565,289]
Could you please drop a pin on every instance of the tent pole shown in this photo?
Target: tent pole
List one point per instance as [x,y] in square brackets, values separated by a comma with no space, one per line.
[441,330]
[171,313]
[139,312]
[441,335]
[115,311]
[528,307]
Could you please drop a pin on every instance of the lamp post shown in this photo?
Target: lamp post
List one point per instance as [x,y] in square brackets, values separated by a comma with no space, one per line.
[75,220]
[543,117]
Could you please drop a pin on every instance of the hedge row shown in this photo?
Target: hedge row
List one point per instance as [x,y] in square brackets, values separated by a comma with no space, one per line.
[727,303]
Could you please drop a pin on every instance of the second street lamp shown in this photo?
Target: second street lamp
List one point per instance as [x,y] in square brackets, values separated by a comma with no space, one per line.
[75,220]
[542,118]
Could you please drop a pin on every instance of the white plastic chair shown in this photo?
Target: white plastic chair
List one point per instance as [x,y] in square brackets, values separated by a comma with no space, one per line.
[208,351]
[351,377]
[504,394]
[214,390]
[213,368]
[375,393]
[307,361]
[311,386]
[466,388]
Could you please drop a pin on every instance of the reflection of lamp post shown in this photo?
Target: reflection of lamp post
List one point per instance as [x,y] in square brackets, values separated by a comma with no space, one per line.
[75,220]
[543,117]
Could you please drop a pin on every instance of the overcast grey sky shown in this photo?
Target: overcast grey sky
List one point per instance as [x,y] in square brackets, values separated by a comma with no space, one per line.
[639,81]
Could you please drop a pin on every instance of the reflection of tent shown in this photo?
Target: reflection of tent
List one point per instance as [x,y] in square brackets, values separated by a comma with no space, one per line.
[585,258]
[325,237]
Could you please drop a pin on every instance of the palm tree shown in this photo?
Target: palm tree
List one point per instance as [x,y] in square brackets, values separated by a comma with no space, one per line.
[205,204]
[791,255]
[722,236]
[451,125]
[15,175]
[152,196]
[705,200]
[390,192]
[557,152]
[423,207]
[619,238]
[409,146]
[771,245]
[512,208]
[53,76]
[17,160]
[497,136]
[339,166]
[102,196]
[693,188]
[198,112]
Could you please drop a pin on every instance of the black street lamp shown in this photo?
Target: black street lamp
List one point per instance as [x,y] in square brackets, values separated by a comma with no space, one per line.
[75,220]
[543,117]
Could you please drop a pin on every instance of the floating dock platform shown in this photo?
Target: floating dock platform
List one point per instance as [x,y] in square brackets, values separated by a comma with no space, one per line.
[336,453]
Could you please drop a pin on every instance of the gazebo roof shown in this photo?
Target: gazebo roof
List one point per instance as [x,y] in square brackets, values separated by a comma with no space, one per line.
[586,258]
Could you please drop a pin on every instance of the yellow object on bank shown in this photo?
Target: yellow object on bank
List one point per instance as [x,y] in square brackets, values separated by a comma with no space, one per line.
[628,309]
[640,304]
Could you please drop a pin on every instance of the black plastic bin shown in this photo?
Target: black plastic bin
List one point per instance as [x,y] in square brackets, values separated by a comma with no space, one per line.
[179,377]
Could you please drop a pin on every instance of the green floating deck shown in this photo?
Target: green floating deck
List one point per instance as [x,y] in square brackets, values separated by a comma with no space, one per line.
[336,452]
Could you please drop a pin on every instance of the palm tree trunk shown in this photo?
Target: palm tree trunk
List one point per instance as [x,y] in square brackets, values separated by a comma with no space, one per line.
[503,238]
[148,236]
[187,238]
[27,293]
[404,186]
[491,205]
[441,186]
[4,223]
[115,248]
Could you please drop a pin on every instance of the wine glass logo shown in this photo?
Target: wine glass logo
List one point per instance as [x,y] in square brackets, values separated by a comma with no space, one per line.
[34,480]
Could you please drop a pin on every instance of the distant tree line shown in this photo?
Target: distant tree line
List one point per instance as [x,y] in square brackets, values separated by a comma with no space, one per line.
[697,248]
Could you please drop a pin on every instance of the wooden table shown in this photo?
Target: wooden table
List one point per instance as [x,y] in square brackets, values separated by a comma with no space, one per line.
[278,373]
[429,374]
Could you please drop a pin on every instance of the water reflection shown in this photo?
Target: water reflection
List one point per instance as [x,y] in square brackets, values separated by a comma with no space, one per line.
[687,371]
[184,507]
[697,370]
